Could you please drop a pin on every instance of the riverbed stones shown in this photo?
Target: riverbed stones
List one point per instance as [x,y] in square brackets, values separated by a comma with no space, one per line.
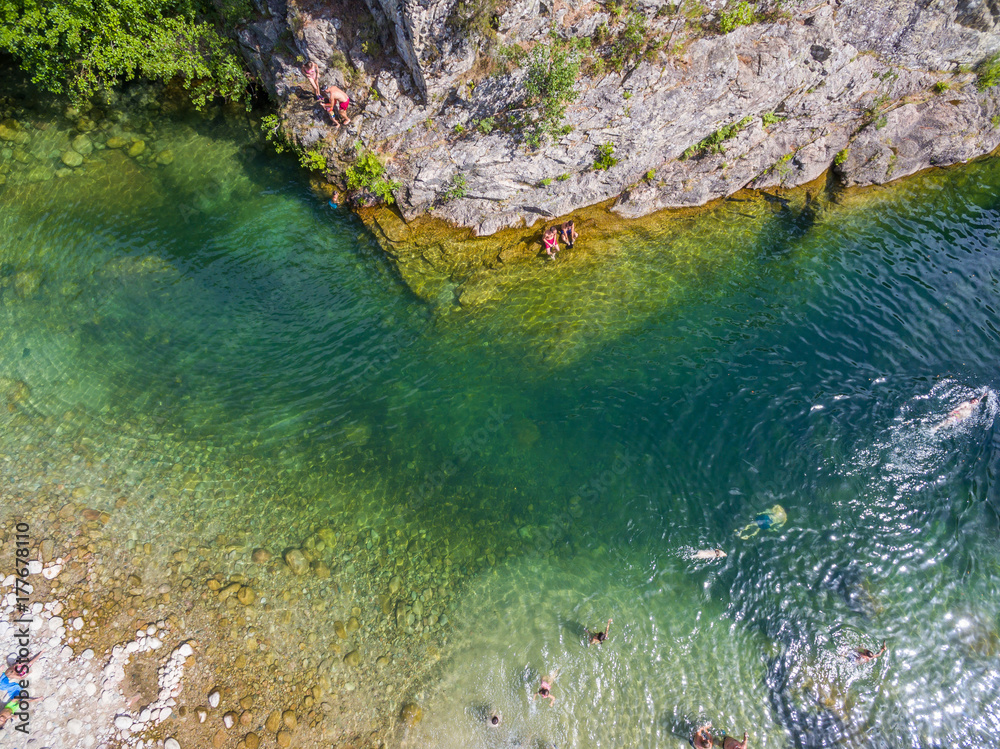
[165,157]
[251,740]
[71,158]
[116,142]
[284,739]
[246,595]
[296,562]
[171,743]
[138,148]
[340,629]
[260,556]
[82,144]
[273,722]
[214,697]
[289,719]
[353,659]
[411,714]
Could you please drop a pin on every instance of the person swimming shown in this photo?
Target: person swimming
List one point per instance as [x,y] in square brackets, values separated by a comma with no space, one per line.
[772,518]
[958,414]
[709,554]
[595,638]
[702,738]
[730,743]
[864,655]
[545,691]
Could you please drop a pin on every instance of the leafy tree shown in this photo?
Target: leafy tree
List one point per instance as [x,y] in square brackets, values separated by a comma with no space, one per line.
[552,72]
[80,46]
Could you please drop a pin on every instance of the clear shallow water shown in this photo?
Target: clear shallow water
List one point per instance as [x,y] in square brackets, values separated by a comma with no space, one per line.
[571,443]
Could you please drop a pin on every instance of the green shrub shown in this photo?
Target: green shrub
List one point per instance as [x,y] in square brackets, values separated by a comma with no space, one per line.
[81,46]
[988,72]
[270,125]
[550,85]
[545,182]
[605,157]
[313,160]
[995,121]
[368,173]
[459,128]
[627,94]
[770,118]
[457,189]
[714,142]
[840,158]
[563,177]
[881,122]
[941,86]
[742,15]
[338,61]
[486,125]
[651,175]
[629,46]
[475,17]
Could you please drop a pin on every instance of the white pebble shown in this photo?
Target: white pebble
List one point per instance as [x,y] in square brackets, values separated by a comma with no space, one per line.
[165,713]
[213,698]
[78,623]
[87,654]
[123,722]
[186,650]
[171,743]
[34,567]
[75,726]
[144,715]
[90,689]
[55,623]
[153,644]
[227,720]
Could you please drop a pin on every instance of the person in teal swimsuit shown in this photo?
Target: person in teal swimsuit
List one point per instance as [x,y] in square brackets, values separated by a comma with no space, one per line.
[10,691]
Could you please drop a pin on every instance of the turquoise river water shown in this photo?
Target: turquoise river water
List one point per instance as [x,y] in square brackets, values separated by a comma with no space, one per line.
[628,405]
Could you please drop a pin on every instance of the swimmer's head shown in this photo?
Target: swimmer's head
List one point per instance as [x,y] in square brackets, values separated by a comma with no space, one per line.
[494,720]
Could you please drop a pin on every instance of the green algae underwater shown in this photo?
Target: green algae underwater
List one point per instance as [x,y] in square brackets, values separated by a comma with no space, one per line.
[562,448]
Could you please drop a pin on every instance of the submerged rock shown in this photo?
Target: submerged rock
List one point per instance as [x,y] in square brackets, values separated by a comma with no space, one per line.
[71,158]
[296,561]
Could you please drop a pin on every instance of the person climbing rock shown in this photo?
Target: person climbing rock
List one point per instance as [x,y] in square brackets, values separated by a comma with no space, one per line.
[595,638]
[336,106]
[311,72]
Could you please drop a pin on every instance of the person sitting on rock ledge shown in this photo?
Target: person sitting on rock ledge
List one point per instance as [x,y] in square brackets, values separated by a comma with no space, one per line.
[550,241]
[568,233]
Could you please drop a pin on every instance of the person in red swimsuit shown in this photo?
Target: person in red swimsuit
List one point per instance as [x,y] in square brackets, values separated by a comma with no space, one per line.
[339,101]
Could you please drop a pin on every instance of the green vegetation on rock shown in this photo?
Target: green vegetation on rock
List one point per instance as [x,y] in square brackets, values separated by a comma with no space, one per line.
[988,72]
[605,157]
[368,173]
[714,142]
[81,46]
[550,83]
[742,15]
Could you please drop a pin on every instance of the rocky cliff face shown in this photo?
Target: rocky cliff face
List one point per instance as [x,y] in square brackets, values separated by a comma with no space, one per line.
[877,90]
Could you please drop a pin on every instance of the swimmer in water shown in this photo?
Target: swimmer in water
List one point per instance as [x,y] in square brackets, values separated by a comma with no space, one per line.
[702,738]
[494,720]
[596,638]
[959,414]
[730,743]
[545,691]
[863,655]
[709,554]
